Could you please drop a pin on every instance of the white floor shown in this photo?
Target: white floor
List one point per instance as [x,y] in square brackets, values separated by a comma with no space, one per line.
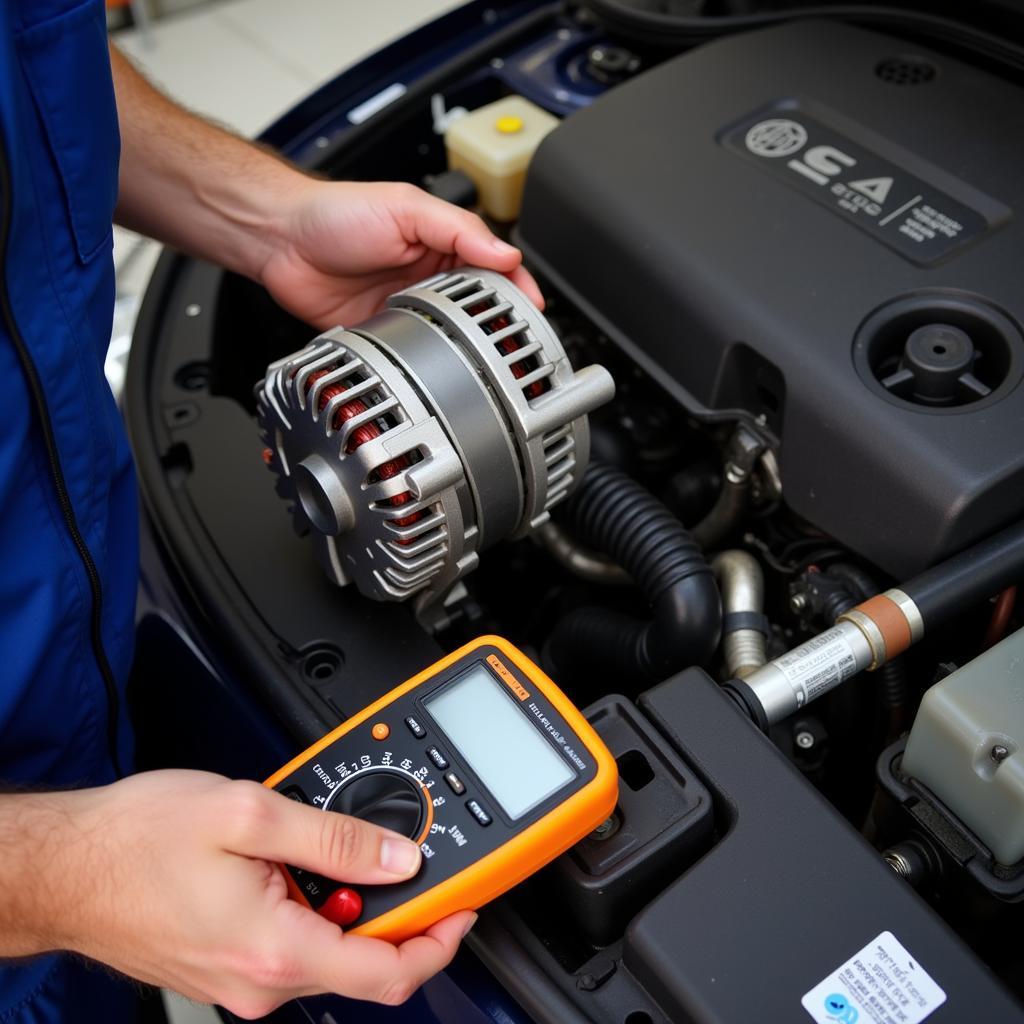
[242,63]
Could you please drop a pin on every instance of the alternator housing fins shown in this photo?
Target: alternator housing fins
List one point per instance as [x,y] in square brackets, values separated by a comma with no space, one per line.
[409,443]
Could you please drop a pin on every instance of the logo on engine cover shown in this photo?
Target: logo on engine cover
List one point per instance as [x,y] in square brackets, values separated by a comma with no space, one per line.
[861,183]
[776,137]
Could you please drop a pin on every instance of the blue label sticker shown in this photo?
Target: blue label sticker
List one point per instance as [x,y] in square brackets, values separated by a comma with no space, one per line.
[838,1006]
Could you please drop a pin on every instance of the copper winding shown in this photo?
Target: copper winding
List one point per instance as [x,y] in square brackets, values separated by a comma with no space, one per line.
[507,347]
[365,433]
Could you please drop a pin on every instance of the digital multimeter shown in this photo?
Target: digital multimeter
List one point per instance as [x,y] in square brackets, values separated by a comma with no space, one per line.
[481,760]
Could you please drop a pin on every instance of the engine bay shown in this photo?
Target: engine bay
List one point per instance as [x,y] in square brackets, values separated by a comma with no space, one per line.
[750,489]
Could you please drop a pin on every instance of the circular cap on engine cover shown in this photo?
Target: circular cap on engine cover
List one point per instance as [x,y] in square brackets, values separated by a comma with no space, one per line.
[940,351]
[937,355]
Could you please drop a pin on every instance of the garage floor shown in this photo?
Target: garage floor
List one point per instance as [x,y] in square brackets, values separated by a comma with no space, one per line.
[242,63]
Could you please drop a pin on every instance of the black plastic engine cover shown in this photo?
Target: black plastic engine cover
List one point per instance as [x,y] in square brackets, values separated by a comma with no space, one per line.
[762,222]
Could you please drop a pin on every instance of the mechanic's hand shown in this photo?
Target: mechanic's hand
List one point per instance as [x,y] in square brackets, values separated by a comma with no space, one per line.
[174,883]
[341,248]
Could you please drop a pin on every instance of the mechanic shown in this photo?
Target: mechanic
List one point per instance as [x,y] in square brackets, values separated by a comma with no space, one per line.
[167,877]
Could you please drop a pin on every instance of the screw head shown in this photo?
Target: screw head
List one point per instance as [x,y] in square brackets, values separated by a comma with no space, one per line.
[999,753]
[193,309]
[804,739]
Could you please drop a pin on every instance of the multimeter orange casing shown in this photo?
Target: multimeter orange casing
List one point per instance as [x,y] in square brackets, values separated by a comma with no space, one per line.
[465,864]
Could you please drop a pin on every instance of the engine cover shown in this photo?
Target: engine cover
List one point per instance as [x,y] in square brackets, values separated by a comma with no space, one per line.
[814,225]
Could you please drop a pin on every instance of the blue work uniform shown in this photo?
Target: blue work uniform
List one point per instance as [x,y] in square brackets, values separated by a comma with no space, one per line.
[68,507]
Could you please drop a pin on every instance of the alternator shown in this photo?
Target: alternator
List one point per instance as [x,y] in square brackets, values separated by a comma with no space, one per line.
[418,438]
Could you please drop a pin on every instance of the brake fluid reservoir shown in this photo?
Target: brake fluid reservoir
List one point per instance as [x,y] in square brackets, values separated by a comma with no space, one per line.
[493,145]
[965,746]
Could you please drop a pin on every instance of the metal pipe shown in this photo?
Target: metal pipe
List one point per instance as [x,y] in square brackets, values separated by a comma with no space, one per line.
[744,626]
[589,565]
[741,455]
[879,629]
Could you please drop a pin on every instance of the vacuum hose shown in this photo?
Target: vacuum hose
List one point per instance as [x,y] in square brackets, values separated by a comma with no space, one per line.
[616,515]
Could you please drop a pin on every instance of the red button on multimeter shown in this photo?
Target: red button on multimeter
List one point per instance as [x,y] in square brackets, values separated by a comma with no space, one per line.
[524,777]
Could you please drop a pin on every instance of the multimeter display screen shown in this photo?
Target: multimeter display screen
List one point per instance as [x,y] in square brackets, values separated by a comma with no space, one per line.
[508,754]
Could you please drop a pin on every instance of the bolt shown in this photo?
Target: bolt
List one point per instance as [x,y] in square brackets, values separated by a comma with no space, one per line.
[999,753]
[899,864]
[798,603]
[605,829]
[735,473]
[322,142]
[193,309]
[497,63]
[804,740]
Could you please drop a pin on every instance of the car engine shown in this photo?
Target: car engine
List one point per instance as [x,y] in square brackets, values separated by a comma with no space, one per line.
[750,488]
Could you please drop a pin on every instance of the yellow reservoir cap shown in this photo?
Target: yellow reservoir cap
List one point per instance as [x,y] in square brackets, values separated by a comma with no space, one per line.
[509,125]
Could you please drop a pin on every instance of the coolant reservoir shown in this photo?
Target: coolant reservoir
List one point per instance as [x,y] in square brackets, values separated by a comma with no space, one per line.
[493,145]
[965,746]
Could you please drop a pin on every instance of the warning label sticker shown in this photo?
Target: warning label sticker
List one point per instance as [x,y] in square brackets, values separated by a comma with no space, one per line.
[918,220]
[818,665]
[880,984]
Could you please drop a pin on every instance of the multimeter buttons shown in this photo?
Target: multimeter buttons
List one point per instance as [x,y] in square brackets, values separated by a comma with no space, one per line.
[387,798]
[342,907]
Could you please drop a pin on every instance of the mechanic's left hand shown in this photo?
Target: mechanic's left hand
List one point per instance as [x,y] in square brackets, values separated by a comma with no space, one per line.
[343,247]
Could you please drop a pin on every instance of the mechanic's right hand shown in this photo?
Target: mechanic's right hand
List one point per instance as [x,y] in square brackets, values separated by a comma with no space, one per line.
[171,878]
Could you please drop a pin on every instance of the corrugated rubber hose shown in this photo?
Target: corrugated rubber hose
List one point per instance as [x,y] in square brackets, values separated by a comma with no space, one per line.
[616,515]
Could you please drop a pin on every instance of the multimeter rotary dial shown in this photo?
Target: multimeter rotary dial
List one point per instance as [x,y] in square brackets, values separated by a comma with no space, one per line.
[481,761]
[383,796]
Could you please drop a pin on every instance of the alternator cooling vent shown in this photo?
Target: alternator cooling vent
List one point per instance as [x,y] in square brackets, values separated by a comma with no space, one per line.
[412,441]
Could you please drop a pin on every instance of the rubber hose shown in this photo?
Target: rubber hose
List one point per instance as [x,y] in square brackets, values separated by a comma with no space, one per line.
[613,513]
[968,578]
